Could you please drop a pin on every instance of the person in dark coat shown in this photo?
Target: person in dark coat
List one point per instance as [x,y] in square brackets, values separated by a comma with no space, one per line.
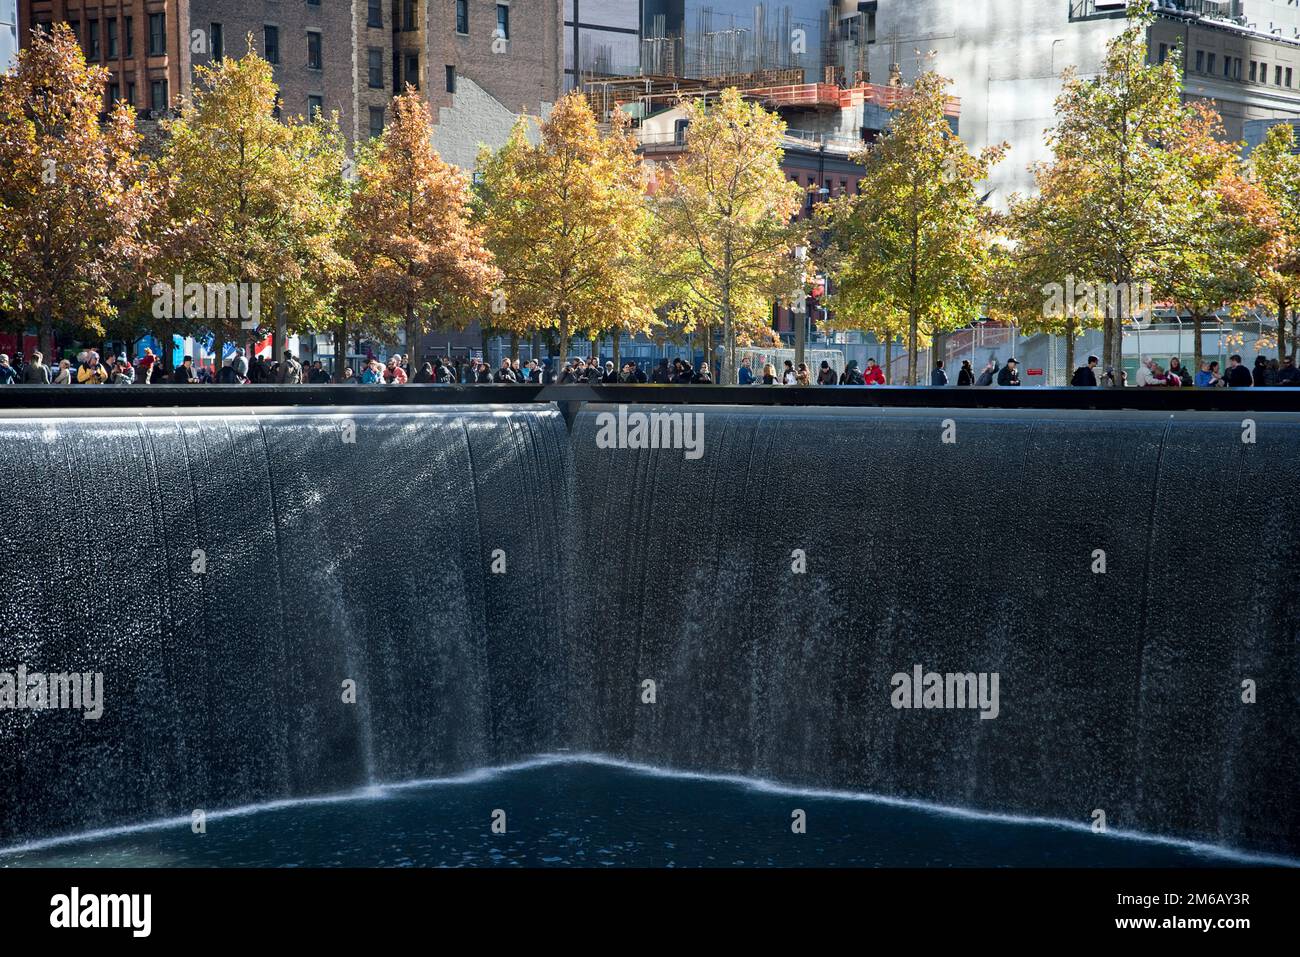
[662,376]
[851,375]
[1085,377]
[990,370]
[1263,375]
[937,375]
[1288,375]
[1010,374]
[965,375]
[825,374]
[1237,376]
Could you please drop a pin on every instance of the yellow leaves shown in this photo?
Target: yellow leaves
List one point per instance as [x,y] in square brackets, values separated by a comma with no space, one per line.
[564,218]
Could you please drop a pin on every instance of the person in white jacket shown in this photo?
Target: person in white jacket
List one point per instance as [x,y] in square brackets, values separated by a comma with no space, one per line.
[1146,374]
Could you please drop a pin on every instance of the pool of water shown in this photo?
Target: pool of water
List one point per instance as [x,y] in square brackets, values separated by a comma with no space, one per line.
[571,812]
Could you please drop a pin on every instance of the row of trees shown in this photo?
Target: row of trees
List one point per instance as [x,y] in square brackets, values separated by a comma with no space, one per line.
[566,233]
[1142,192]
[555,236]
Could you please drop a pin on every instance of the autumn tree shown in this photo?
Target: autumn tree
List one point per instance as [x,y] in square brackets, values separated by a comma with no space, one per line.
[1227,222]
[254,200]
[1274,174]
[724,239]
[74,192]
[565,219]
[1127,191]
[919,238]
[418,255]
[1039,283]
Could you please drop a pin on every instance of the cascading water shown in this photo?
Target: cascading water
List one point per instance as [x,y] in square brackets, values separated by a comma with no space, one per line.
[962,542]
[228,573]
[497,587]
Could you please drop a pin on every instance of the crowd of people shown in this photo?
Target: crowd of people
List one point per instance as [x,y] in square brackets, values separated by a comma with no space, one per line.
[398,369]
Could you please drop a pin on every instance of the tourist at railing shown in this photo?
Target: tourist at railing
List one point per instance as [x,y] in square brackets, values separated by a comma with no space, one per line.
[825,374]
[36,372]
[769,374]
[703,377]
[1288,374]
[746,373]
[1010,373]
[851,375]
[90,371]
[1085,377]
[1265,372]
[1177,368]
[938,377]
[8,374]
[801,375]
[966,375]
[990,370]
[1237,376]
[874,374]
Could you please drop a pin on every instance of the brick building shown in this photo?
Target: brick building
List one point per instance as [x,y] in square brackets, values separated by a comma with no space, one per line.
[142,43]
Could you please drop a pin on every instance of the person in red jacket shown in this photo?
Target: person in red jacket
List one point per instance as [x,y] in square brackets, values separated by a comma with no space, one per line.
[874,374]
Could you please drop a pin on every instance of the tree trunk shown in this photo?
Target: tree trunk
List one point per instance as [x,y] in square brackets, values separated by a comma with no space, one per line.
[913,320]
[47,337]
[729,342]
[1281,330]
[218,348]
[616,336]
[564,341]
[412,341]
[889,359]
[800,334]
[1295,336]
[1198,357]
[1069,348]
[1108,335]
[514,345]
[486,357]
[280,338]
[340,349]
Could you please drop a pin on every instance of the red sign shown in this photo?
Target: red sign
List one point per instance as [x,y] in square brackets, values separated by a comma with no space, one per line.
[1034,372]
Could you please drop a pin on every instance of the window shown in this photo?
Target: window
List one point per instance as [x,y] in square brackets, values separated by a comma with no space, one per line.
[130,45]
[462,16]
[503,21]
[374,14]
[1164,53]
[408,15]
[1288,76]
[92,39]
[114,94]
[312,3]
[158,95]
[315,106]
[1236,68]
[412,75]
[1200,61]
[217,37]
[110,30]
[375,68]
[130,92]
[1277,76]
[157,34]
[871,28]
[76,29]
[451,79]
[1254,71]
[271,43]
[313,50]
[376,121]
[1209,62]
[1227,66]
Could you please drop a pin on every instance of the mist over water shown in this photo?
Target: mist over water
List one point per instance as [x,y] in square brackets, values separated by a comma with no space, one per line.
[328,560]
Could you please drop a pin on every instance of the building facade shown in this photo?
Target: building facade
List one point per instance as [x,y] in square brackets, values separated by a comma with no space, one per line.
[143,44]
